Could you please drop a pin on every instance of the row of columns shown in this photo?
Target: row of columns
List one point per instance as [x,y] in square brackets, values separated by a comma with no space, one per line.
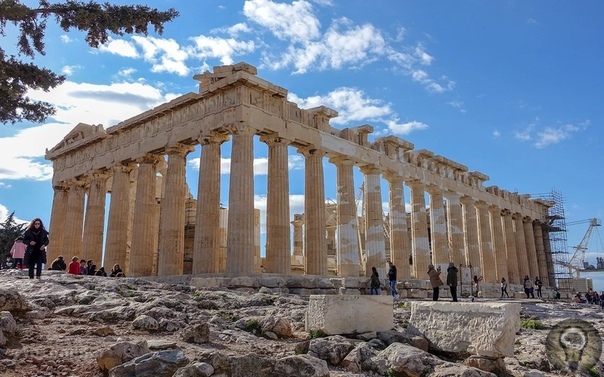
[465,231]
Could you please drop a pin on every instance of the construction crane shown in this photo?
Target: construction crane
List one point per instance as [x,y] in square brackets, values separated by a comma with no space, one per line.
[577,262]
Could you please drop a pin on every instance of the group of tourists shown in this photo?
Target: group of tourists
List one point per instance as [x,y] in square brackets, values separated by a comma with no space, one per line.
[30,250]
[591,297]
[529,287]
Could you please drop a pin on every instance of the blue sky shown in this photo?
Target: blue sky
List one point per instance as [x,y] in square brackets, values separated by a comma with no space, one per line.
[512,89]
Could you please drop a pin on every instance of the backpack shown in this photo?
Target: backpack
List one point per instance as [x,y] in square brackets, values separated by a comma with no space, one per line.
[375,281]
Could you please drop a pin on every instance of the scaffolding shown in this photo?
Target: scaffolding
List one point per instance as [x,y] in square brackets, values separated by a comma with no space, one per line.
[554,231]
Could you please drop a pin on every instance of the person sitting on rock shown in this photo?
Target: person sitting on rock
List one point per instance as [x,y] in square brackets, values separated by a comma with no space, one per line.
[83,267]
[74,266]
[58,264]
[578,299]
[115,270]
[101,272]
[92,270]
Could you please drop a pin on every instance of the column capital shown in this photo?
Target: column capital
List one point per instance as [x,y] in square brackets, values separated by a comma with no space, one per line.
[213,138]
[60,186]
[495,209]
[273,139]
[179,149]
[149,158]
[527,219]
[431,189]
[415,183]
[122,167]
[481,204]
[241,128]
[506,212]
[452,195]
[100,174]
[516,216]
[298,220]
[370,169]
[393,177]
[311,151]
[466,200]
[341,160]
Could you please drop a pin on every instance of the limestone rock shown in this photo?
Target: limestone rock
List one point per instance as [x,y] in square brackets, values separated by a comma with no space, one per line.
[145,322]
[195,370]
[332,349]
[301,366]
[157,364]
[120,353]
[7,323]
[199,333]
[280,326]
[12,301]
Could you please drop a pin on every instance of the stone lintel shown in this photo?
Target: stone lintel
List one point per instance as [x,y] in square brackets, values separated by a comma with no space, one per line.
[450,163]
[485,329]
[478,175]
[349,314]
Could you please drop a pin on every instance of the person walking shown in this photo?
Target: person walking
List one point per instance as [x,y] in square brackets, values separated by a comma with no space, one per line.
[36,239]
[435,281]
[452,280]
[539,284]
[18,252]
[504,288]
[392,279]
[528,287]
[375,282]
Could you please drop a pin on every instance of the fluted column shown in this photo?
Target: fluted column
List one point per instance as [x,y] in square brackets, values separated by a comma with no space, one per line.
[540,249]
[74,220]
[501,263]
[57,222]
[206,244]
[170,260]
[471,240]
[420,244]
[146,216]
[375,247]
[118,222]
[531,250]
[298,235]
[510,248]
[240,236]
[315,243]
[94,221]
[457,252]
[278,245]
[487,257]
[400,244]
[438,227]
[348,238]
[521,251]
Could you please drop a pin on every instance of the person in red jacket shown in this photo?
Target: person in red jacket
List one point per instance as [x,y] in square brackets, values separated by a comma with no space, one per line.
[74,266]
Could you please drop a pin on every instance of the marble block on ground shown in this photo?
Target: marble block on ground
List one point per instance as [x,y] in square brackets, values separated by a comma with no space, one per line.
[349,314]
[485,329]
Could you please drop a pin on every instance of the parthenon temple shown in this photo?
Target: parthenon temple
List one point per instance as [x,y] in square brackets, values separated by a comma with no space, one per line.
[154,226]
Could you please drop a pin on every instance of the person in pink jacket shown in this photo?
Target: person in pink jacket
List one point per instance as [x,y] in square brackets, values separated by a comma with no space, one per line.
[18,252]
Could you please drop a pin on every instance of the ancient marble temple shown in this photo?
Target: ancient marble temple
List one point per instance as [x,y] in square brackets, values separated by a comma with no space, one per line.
[141,163]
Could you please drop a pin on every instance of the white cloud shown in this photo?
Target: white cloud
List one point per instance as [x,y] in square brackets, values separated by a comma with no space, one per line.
[120,47]
[69,69]
[496,134]
[233,31]
[404,128]
[294,21]
[165,55]
[458,105]
[4,215]
[65,38]
[525,134]
[551,135]
[223,49]
[422,55]
[126,72]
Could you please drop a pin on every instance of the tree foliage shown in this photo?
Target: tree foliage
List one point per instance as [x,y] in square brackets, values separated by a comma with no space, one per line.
[9,231]
[96,19]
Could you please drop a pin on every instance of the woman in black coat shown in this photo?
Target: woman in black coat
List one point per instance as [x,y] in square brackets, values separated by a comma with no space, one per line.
[36,239]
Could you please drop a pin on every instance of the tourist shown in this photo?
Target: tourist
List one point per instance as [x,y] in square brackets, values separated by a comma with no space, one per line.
[83,268]
[18,252]
[375,282]
[89,265]
[36,239]
[92,270]
[578,299]
[101,272]
[539,284]
[504,288]
[528,287]
[588,297]
[452,280]
[602,300]
[435,281]
[115,271]
[556,293]
[392,279]
[58,264]
[74,266]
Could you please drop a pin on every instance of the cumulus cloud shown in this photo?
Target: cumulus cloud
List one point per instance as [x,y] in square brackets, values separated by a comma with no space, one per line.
[223,49]
[554,135]
[120,47]
[68,70]
[404,128]
[165,55]
[65,38]
[233,31]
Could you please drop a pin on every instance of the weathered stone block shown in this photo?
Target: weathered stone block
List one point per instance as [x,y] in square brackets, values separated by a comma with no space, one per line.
[485,329]
[347,314]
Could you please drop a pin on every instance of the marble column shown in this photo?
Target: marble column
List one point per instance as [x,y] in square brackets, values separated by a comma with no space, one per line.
[375,247]
[240,236]
[94,220]
[74,220]
[438,227]
[118,222]
[531,250]
[521,251]
[170,260]
[278,244]
[471,240]
[400,244]
[501,263]
[457,252]
[510,248]
[420,244]
[540,249]
[206,243]
[348,238]
[146,216]
[315,243]
[487,257]
[57,223]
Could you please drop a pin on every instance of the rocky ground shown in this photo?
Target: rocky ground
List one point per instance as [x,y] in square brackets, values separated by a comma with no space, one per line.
[67,326]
